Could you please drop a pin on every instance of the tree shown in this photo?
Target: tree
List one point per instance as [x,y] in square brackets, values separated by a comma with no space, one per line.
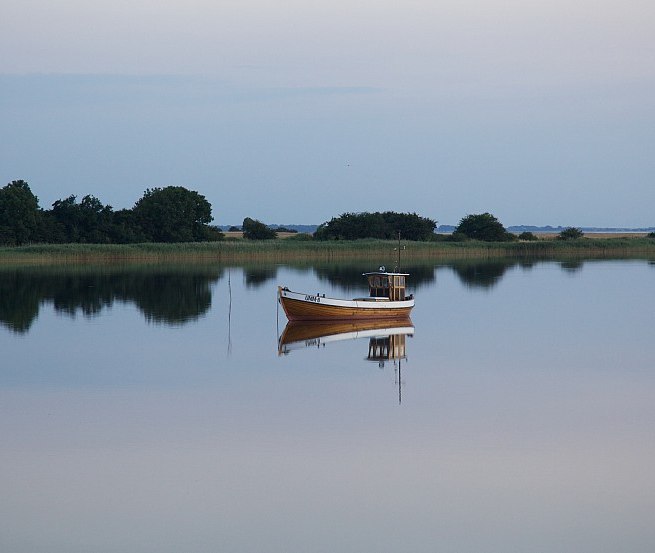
[483,227]
[19,212]
[97,220]
[570,233]
[173,214]
[124,229]
[88,221]
[256,230]
[67,219]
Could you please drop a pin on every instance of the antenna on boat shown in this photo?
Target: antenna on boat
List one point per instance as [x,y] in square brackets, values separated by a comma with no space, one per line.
[397,269]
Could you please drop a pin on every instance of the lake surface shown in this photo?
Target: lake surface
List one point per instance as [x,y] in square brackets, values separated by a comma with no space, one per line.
[152,409]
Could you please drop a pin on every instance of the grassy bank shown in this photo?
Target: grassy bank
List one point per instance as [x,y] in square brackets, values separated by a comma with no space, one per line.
[289,250]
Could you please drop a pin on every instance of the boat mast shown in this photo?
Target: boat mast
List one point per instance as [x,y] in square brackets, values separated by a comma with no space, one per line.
[398,269]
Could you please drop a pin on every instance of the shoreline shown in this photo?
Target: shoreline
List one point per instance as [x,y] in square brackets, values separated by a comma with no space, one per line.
[287,250]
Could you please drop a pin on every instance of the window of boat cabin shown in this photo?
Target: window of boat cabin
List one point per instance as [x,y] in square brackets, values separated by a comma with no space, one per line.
[398,288]
[382,286]
[378,286]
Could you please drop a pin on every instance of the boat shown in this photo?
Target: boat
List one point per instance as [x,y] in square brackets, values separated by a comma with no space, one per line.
[387,299]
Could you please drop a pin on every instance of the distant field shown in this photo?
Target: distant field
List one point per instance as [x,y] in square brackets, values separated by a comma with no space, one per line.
[595,235]
[541,235]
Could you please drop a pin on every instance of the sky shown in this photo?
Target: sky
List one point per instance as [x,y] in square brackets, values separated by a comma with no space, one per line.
[294,112]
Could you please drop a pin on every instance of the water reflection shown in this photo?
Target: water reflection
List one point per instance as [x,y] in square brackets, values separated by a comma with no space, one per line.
[478,273]
[171,294]
[258,276]
[317,334]
[349,277]
[571,266]
[107,421]
[482,275]
[387,340]
[167,295]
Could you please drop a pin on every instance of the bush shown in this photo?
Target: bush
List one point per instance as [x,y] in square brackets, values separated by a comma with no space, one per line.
[484,227]
[434,237]
[458,237]
[300,237]
[570,233]
[211,233]
[256,230]
[386,226]
[528,236]
[651,235]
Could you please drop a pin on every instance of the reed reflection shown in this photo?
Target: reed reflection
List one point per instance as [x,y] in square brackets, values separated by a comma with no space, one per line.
[166,295]
[387,340]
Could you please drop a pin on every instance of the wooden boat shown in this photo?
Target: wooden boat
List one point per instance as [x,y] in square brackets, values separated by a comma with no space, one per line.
[387,299]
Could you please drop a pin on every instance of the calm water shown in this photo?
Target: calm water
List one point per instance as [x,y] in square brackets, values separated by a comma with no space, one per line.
[149,410]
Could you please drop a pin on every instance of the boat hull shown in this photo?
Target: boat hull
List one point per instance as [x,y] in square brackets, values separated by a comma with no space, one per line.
[308,307]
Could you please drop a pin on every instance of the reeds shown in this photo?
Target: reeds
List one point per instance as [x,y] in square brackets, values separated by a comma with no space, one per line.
[290,250]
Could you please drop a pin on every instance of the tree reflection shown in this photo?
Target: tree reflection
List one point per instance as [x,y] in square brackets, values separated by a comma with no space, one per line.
[257,276]
[571,266]
[19,302]
[349,276]
[481,275]
[173,298]
[167,295]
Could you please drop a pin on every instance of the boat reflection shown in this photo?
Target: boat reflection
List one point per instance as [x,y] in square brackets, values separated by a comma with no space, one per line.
[387,340]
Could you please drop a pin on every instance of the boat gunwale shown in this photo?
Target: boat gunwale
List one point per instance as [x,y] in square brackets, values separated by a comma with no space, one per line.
[383,304]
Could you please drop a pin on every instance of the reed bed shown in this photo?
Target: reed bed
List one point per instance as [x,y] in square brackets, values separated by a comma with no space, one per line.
[289,250]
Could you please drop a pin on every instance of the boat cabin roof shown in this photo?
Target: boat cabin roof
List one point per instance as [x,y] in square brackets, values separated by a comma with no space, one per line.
[385,273]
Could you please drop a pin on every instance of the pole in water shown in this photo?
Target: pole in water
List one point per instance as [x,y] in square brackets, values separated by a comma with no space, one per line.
[229,315]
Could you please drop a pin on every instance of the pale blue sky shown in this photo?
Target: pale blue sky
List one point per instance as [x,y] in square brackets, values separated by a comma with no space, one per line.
[295,112]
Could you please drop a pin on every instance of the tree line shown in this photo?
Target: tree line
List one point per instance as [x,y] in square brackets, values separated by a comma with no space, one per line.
[171,214]
[483,226]
[176,214]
